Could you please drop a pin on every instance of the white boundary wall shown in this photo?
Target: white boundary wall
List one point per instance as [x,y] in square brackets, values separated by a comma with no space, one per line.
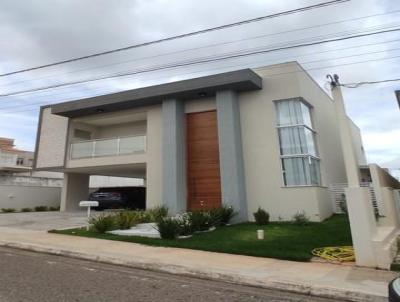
[18,197]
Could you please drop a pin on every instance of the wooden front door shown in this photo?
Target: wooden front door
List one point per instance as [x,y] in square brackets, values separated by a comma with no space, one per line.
[203,175]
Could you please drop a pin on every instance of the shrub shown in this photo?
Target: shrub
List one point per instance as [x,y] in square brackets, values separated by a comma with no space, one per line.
[54,208]
[157,213]
[261,216]
[8,210]
[41,208]
[26,210]
[185,225]
[300,218]
[143,217]
[126,219]
[199,220]
[169,228]
[221,216]
[343,204]
[103,223]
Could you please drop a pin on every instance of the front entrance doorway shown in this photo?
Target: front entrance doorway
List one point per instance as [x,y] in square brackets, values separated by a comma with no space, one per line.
[203,174]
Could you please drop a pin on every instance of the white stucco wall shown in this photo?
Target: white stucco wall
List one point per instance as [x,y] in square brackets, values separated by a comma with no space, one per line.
[358,144]
[18,197]
[52,142]
[126,129]
[263,174]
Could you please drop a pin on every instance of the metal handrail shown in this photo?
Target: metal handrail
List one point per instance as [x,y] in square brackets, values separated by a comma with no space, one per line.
[105,139]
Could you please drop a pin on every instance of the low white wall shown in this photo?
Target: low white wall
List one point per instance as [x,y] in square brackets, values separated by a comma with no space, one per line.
[18,197]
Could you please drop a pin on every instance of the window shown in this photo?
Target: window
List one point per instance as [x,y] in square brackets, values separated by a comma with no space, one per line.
[299,156]
[20,161]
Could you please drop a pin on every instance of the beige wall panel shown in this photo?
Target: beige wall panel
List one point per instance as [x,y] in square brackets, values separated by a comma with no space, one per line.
[200,105]
[52,140]
[264,182]
[127,129]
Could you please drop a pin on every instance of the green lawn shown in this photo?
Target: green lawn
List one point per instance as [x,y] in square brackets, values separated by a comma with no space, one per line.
[282,240]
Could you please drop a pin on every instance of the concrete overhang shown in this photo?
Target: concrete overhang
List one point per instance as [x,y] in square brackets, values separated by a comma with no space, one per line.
[240,80]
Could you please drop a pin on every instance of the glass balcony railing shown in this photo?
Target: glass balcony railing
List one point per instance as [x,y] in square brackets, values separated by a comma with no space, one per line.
[108,147]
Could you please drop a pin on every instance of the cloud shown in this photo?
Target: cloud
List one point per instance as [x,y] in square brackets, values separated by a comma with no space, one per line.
[47,31]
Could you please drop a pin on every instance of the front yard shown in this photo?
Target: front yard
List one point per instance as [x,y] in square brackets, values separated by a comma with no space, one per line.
[282,240]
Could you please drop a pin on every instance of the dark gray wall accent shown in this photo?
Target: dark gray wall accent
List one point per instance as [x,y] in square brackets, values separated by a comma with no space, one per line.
[230,153]
[173,161]
[239,80]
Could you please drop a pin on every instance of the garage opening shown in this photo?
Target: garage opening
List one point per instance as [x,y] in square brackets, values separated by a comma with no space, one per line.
[118,192]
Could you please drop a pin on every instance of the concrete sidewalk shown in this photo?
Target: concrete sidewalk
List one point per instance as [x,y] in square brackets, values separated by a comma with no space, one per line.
[345,283]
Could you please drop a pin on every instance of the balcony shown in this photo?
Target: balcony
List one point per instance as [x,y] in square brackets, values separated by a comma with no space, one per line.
[108,147]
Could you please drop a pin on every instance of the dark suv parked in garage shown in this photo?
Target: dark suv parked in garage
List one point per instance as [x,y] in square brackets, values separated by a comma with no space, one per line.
[118,198]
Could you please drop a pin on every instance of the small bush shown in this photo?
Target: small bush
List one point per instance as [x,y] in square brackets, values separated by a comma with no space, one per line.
[221,216]
[8,210]
[26,210]
[185,225]
[41,208]
[54,208]
[300,218]
[343,204]
[143,217]
[199,220]
[261,216]
[169,228]
[157,213]
[126,219]
[103,223]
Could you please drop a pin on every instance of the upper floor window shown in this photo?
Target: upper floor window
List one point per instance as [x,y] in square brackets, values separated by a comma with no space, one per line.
[20,161]
[299,156]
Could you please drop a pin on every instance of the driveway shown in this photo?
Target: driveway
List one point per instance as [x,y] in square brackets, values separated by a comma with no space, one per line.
[42,221]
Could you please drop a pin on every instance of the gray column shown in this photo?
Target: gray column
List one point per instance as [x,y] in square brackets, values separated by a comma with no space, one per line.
[173,161]
[230,153]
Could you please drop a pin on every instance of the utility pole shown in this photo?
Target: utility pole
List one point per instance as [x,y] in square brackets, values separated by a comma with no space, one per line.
[361,216]
[349,152]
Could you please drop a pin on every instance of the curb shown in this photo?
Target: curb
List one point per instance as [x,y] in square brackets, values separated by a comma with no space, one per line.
[298,288]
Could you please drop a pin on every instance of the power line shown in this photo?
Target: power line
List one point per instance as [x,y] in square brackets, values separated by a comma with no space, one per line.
[287,58]
[356,85]
[199,61]
[277,74]
[304,62]
[198,32]
[206,46]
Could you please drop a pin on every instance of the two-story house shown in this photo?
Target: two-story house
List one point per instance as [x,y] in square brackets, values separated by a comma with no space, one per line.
[264,137]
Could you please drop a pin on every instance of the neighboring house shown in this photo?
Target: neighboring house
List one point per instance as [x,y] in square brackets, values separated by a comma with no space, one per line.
[265,137]
[20,187]
[13,160]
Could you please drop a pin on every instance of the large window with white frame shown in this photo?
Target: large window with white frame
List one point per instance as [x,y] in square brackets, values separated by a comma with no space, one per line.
[299,156]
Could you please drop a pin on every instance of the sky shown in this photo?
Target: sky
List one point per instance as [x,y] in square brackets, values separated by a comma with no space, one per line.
[40,32]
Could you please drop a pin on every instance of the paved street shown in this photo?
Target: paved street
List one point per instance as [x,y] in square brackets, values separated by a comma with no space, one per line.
[28,276]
